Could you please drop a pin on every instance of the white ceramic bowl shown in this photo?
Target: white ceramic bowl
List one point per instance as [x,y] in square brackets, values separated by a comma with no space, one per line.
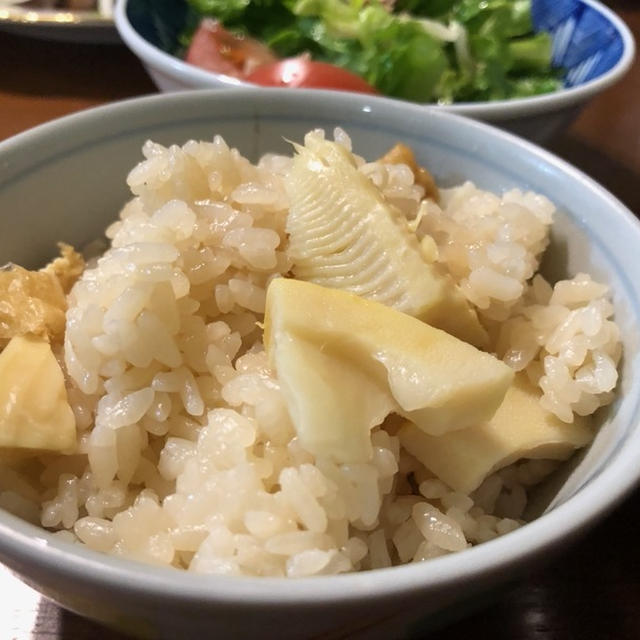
[585,34]
[66,181]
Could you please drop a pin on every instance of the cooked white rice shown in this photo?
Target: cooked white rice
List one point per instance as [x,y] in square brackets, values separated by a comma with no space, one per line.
[186,454]
[490,244]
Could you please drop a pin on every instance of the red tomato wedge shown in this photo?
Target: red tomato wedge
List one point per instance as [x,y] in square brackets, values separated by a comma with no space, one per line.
[302,72]
[215,49]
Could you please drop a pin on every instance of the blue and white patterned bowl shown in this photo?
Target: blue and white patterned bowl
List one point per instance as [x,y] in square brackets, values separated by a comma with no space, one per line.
[593,44]
[593,233]
[586,42]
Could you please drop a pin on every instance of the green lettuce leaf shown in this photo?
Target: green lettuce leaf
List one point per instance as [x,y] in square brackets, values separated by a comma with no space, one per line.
[423,50]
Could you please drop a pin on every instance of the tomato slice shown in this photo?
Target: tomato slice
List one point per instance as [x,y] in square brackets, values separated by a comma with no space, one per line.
[215,49]
[302,72]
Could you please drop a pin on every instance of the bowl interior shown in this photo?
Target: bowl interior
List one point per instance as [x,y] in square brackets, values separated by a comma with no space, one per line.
[66,181]
[55,198]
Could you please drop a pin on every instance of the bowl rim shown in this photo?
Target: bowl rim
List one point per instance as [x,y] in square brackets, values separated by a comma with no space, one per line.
[24,544]
[498,110]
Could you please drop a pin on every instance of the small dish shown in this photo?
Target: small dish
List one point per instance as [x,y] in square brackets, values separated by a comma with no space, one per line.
[34,18]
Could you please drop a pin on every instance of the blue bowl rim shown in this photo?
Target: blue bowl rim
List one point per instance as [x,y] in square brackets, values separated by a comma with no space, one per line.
[23,544]
[498,110]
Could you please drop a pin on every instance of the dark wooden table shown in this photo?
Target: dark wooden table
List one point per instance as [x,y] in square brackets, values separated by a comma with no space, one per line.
[592,592]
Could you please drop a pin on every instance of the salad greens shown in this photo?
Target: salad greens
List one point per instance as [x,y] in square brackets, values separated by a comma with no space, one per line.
[422,50]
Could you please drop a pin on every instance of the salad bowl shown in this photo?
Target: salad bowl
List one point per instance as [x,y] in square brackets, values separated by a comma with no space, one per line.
[592,48]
